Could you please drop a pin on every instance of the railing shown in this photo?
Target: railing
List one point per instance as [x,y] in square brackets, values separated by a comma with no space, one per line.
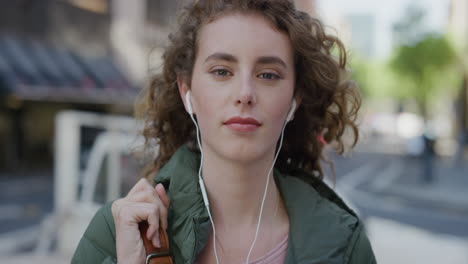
[73,209]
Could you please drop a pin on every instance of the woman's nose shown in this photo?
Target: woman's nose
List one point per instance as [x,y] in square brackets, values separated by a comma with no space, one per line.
[246,95]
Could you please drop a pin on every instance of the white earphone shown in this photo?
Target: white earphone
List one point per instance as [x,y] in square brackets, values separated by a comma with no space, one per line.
[188,103]
[291,111]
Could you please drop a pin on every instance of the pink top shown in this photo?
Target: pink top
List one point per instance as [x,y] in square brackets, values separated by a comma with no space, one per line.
[275,255]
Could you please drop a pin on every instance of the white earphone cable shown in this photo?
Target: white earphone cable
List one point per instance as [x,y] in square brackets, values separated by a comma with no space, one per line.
[265,193]
[202,185]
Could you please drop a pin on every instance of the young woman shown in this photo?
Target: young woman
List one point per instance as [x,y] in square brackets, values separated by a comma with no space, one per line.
[247,85]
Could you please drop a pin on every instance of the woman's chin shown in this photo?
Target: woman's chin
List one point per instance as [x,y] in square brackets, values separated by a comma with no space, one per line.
[244,154]
[240,151]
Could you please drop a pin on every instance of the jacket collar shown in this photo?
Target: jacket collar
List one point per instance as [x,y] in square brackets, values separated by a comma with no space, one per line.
[321,225]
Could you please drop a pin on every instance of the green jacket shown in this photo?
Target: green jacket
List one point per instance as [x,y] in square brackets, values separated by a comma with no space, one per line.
[322,229]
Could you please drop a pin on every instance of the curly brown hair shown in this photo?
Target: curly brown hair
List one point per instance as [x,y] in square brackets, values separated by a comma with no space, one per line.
[330,100]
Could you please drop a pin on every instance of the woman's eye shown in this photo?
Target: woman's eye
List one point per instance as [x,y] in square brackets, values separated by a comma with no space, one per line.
[220,72]
[269,76]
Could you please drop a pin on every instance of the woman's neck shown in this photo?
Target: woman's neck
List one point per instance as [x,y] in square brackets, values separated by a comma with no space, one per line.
[236,190]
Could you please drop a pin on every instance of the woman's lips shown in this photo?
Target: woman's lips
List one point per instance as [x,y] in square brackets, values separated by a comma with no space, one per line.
[241,124]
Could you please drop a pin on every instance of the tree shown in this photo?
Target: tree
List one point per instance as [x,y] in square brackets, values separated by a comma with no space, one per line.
[422,63]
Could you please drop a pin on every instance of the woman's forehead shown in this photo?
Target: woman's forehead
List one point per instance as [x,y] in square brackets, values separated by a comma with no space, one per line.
[243,35]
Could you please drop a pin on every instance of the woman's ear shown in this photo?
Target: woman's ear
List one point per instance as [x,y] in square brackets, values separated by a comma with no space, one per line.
[296,102]
[183,89]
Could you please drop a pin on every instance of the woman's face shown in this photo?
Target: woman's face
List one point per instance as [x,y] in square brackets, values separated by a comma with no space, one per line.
[242,86]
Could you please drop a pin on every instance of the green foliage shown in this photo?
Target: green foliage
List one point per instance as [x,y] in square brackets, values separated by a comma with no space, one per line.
[421,60]
[424,64]
[421,69]
[376,80]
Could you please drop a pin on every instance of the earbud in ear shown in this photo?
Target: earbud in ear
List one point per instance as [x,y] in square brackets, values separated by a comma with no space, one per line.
[291,111]
[188,103]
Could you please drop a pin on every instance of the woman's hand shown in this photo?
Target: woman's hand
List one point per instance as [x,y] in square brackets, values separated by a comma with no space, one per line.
[143,203]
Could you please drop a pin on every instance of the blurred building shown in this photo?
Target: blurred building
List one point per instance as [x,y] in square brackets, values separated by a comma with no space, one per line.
[458,22]
[70,54]
[362,32]
[458,27]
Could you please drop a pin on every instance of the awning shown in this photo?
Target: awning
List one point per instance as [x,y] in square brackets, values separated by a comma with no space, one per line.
[31,70]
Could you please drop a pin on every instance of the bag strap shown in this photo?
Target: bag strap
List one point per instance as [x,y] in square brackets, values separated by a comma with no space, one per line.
[156,255]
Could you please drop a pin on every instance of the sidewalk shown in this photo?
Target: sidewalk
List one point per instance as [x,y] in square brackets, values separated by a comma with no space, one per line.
[29,258]
[395,242]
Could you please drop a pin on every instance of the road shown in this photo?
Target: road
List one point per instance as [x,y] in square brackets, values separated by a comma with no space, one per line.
[373,192]
[408,221]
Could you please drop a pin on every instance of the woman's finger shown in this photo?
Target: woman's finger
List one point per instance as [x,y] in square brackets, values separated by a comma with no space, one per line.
[153,230]
[138,212]
[154,200]
[156,239]
[142,185]
[146,196]
[162,195]
[133,213]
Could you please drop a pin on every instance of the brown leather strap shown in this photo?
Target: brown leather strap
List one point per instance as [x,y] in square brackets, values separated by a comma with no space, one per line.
[156,255]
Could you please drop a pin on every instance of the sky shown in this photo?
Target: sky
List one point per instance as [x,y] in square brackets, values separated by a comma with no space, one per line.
[386,13]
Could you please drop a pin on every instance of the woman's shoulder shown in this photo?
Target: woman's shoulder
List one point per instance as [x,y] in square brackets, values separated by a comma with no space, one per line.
[97,244]
[311,194]
[322,223]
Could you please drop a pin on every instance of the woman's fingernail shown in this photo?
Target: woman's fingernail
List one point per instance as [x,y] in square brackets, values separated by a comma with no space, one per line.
[156,242]
[148,234]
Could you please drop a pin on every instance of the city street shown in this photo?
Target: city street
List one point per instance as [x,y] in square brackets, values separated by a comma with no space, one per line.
[88,97]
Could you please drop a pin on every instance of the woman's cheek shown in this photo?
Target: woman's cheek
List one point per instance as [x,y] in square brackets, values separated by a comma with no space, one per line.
[280,114]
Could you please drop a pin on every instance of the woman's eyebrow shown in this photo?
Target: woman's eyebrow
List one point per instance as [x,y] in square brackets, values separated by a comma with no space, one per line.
[271,60]
[261,60]
[221,56]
